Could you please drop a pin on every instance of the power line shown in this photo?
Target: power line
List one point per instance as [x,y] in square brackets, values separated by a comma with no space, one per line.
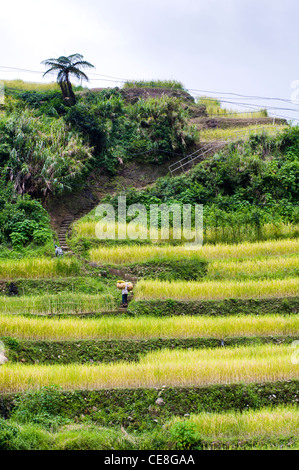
[226,100]
[256,107]
[126,80]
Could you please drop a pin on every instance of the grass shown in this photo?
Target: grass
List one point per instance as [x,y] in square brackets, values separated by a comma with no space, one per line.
[228,430]
[268,267]
[31,86]
[213,108]
[35,268]
[209,135]
[55,304]
[136,253]
[251,250]
[75,284]
[266,423]
[155,84]
[90,228]
[86,228]
[168,368]
[20,85]
[69,437]
[215,290]
[109,328]
[248,233]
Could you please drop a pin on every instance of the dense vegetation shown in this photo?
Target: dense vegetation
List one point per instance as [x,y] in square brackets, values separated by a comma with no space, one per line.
[154,129]
[220,419]
[23,220]
[48,148]
[205,356]
[249,190]
[243,188]
[148,131]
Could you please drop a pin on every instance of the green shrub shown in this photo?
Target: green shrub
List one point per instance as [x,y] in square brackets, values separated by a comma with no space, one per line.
[185,435]
[45,156]
[18,239]
[147,131]
[248,190]
[41,407]
[32,437]
[41,236]
[23,220]
[8,431]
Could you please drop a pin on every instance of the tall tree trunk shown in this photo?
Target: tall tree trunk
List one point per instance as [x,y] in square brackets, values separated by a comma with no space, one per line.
[64,91]
[71,94]
[67,92]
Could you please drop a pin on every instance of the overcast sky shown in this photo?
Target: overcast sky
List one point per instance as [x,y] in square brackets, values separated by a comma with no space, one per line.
[248,47]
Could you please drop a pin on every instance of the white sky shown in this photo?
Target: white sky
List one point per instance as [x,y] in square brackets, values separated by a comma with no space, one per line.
[241,46]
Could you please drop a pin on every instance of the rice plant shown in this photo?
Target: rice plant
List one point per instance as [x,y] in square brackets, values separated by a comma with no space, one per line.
[241,232]
[87,228]
[168,368]
[135,253]
[30,86]
[55,304]
[144,328]
[210,135]
[215,290]
[266,423]
[214,108]
[35,268]
[270,268]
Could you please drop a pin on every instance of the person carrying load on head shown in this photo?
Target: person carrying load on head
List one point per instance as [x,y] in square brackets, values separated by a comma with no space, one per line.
[125,288]
[124,294]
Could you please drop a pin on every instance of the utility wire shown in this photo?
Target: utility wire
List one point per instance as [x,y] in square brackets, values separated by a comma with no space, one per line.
[123,80]
[230,95]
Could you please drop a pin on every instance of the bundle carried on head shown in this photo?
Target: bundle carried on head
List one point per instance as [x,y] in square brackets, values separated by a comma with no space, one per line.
[122,285]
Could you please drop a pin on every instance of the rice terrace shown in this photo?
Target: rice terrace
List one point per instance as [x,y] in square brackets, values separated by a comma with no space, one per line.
[138,343]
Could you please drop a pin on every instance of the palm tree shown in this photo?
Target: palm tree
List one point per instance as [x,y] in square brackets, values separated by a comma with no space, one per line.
[66,66]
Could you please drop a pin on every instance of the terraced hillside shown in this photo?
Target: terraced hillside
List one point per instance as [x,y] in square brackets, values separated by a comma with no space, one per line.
[206,354]
[184,353]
